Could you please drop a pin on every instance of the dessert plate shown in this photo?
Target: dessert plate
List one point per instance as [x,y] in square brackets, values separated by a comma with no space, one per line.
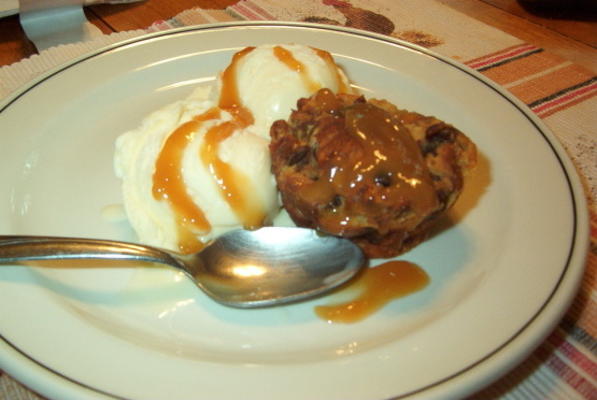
[503,269]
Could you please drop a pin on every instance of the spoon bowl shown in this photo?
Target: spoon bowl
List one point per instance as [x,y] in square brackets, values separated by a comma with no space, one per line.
[242,269]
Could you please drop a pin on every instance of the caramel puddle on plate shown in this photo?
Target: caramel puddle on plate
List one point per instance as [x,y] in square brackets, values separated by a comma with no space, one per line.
[377,286]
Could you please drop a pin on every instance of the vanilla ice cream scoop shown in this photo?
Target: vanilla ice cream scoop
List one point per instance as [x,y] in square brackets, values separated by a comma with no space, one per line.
[171,196]
[271,78]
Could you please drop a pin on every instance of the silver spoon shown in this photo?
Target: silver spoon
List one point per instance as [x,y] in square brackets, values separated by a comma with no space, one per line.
[243,269]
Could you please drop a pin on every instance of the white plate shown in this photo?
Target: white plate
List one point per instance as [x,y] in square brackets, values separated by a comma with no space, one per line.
[500,278]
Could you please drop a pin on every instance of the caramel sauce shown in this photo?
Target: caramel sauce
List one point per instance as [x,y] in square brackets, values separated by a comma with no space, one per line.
[286,57]
[229,99]
[168,183]
[233,184]
[329,60]
[378,286]
[378,148]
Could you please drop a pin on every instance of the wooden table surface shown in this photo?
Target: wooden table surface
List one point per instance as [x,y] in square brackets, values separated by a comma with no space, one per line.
[569,32]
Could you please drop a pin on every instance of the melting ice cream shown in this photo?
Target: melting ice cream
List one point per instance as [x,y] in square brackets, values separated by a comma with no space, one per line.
[201,166]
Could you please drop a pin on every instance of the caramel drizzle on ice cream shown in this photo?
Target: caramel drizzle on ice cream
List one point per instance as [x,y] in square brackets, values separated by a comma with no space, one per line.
[229,99]
[234,185]
[169,185]
[168,180]
[286,58]
[329,60]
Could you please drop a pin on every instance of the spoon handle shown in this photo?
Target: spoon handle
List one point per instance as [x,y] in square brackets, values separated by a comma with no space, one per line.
[14,249]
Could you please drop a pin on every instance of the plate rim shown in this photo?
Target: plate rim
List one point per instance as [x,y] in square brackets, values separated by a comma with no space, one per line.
[523,340]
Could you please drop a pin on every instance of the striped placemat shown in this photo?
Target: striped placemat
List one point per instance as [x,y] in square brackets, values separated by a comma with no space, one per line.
[560,92]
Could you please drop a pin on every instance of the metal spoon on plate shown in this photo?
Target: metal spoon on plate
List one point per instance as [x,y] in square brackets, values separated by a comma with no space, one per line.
[243,269]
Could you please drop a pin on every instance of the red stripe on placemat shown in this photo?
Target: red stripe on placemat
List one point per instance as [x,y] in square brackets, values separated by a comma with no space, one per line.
[259,10]
[564,106]
[244,12]
[509,53]
[558,340]
[567,374]
[494,54]
[567,100]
